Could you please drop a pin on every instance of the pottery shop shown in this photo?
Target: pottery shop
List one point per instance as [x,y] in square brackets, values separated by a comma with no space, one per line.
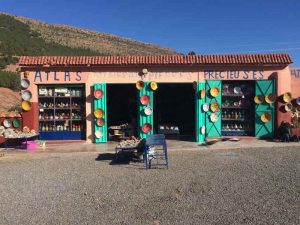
[187,97]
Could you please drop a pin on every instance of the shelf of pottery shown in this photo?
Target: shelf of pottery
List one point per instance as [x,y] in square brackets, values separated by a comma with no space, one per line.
[60,109]
[237,113]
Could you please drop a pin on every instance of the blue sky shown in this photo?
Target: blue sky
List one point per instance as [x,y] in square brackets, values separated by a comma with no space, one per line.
[203,26]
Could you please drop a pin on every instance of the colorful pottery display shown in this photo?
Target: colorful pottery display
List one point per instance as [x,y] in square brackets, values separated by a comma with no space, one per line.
[148,111]
[153,85]
[145,99]
[98,113]
[25,83]
[26,105]
[214,117]
[146,128]
[139,85]
[214,107]
[258,99]
[100,122]
[2,114]
[205,107]
[266,117]
[214,91]
[98,93]
[26,95]
[270,98]
[98,134]
[287,97]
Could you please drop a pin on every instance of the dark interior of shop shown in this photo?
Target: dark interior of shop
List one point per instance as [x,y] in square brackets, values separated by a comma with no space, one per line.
[122,107]
[174,106]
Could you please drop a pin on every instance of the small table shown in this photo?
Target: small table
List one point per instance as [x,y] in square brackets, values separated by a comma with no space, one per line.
[19,139]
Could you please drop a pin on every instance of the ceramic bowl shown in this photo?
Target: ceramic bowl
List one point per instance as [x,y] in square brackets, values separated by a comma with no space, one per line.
[148,111]
[26,95]
[146,128]
[98,134]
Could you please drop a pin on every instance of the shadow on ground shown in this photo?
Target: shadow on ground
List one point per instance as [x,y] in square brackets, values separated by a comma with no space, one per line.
[121,160]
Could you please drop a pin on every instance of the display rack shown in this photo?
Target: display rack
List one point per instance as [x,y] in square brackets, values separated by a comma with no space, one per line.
[61,113]
[237,110]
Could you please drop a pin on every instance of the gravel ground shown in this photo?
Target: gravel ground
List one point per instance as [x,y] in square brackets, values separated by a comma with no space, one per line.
[248,186]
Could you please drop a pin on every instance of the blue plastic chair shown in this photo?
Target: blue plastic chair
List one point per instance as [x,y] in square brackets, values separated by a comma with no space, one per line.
[156,152]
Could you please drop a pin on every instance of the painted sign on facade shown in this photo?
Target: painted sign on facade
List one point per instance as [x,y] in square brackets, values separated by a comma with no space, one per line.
[295,73]
[60,77]
[233,75]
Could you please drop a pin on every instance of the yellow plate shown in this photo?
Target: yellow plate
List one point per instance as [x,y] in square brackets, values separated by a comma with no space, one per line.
[266,117]
[270,98]
[214,107]
[258,99]
[287,97]
[26,105]
[214,91]
[98,113]
[153,85]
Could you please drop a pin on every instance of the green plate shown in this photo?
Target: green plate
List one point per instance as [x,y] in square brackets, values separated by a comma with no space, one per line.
[16,123]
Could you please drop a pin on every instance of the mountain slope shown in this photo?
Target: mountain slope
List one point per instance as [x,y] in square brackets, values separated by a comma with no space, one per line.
[102,43]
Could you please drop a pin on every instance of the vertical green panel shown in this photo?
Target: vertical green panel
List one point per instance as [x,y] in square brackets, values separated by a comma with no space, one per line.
[213,129]
[101,104]
[142,117]
[264,130]
[200,115]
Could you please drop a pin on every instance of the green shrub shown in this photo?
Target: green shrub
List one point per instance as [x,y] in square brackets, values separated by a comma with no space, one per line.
[10,80]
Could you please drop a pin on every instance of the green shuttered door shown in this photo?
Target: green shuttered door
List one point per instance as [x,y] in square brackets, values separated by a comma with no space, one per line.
[101,104]
[213,129]
[200,115]
[142,117]
[264,130]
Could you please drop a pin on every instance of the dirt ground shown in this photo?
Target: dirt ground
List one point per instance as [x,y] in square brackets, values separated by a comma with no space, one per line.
[208,186]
